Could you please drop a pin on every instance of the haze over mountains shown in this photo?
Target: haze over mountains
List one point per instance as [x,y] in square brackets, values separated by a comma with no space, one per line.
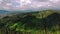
[5,12]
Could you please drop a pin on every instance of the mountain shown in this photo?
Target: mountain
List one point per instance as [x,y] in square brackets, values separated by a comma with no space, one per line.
[3,12]
[39,21]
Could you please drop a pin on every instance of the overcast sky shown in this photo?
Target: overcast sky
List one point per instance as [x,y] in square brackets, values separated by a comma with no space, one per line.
[28,4]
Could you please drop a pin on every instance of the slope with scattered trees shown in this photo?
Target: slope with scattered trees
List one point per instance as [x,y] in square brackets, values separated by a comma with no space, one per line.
[41,22]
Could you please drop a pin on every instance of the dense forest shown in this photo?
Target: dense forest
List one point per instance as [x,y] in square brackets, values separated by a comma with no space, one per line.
[38,22]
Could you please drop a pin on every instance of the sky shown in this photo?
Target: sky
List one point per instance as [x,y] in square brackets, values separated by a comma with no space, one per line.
[29,4]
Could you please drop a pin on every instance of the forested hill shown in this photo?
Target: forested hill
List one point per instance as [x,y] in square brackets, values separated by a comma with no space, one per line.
[33,21]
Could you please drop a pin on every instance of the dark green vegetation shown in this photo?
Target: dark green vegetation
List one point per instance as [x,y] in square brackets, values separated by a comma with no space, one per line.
[41,22]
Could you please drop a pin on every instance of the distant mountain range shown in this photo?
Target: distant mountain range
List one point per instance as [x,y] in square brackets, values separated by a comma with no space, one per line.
[4,12]
[16,12]
[13,12]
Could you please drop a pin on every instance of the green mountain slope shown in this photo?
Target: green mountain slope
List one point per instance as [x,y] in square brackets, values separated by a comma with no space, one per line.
[46,21]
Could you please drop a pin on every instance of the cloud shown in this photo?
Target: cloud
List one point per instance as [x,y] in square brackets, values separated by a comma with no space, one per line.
[28,4]
[54,1]
[40,0]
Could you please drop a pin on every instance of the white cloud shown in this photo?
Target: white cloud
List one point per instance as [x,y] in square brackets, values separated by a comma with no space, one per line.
[8,4]
[28,4]
[1,0]
[54,1]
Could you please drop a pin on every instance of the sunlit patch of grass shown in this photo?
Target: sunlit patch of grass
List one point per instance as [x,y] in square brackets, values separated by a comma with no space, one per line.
[44,14]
